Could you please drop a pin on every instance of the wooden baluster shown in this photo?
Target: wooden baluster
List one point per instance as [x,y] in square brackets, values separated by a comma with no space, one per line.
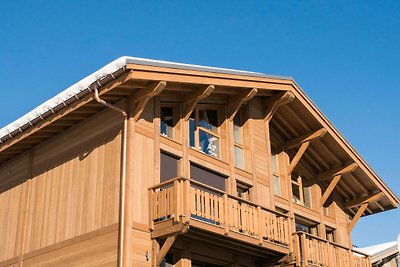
[226,213]
[305,243]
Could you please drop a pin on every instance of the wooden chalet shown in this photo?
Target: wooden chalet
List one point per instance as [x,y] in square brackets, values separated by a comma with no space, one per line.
[153,163]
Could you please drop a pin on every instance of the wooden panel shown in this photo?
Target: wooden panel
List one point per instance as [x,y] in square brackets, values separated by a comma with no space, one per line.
[144,161]
[97,251]
[140,245]
[13,188]
[76,182]
[260,152]
[263,195]
[146,119]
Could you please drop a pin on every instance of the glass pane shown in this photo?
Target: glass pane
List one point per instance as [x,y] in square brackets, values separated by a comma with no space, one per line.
[307,196]
[277,186]
[275,166]
[209,144]
[208,119]
[237,130]
[302,228]
[296,193]
[239,157]
[167,121]
[192,129]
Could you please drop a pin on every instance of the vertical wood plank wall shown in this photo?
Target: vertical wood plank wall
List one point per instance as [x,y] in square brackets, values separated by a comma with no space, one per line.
[69,203]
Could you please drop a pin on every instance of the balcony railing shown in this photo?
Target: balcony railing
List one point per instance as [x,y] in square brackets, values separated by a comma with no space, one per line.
[185,200]
[313,251]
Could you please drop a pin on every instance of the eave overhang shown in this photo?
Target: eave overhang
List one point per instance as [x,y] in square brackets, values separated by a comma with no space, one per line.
[138,73]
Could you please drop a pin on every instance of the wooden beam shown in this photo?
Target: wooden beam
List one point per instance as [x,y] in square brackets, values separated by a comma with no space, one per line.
[338,171]
[238,100]
[142,98]
[190,103]
[152,90]
[297,157]
[362,200]
[165,248]
[274,102]
[356,217]
[302,139]
[330,188]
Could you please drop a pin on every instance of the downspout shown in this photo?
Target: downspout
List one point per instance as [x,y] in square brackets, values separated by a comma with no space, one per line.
[121,225]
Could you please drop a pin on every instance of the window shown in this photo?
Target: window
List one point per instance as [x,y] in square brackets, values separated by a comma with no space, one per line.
[243,191]
[207,177]
[168,167]
[238,140]
[301,191]
[167,122]
[275,175]
[303,225]
[330,234]
[204,131]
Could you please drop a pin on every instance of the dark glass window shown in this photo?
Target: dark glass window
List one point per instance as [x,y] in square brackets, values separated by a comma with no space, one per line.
[168,167]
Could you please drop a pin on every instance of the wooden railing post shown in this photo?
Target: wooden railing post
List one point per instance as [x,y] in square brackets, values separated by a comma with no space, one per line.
[186,200]
[152,202]
[304,249]
[177,202]
[296,249]
[226,213]
[261,225]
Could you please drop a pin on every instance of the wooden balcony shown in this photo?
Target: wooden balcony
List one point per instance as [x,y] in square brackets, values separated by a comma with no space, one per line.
[313,251]
[219,216]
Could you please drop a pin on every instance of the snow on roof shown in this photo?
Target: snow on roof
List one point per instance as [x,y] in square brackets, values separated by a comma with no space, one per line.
[110,68]
[378,249]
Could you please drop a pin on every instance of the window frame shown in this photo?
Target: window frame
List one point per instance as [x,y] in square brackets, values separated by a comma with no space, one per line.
[176,120]
[195,117]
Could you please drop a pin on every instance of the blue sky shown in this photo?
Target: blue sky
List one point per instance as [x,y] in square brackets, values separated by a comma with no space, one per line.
[344,54]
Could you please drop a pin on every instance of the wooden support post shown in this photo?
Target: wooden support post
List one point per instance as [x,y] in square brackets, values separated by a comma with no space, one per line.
[274,102]
[165,248]
[141,98]
[238,100]
[190,103]
[297,157]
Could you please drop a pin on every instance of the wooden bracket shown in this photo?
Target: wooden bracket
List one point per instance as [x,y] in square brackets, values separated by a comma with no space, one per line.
[190,103]
[336,174]
[165,248]
[238,100]
[184,228]
[361,200]
[302,139]
[304,142]
[141,98]
[364,201]
[274,102]
[338,171]
[297,157]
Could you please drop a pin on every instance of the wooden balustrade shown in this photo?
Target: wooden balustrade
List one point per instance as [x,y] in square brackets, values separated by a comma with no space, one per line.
[313,251]
[192,200]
